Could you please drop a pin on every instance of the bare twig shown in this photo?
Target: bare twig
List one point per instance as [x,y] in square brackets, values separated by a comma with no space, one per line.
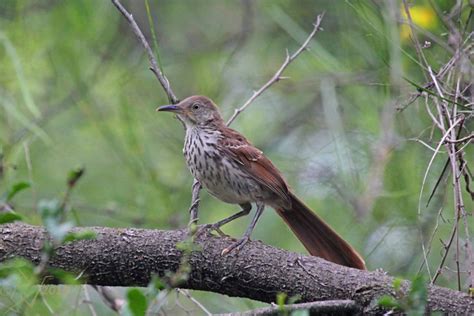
[446,251]
[109,298]
[425,176]
[195,301]
[88,300]
[194,209]
[461,140]
[456,175]
[277,76]
[151,57]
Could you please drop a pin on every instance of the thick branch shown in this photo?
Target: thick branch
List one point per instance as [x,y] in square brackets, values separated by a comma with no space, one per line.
[128,257]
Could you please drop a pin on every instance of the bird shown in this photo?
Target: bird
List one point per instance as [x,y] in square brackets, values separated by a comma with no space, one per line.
[231,169]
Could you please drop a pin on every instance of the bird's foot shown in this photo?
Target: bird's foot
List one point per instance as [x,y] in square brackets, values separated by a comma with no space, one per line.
[236,246]
[209,228]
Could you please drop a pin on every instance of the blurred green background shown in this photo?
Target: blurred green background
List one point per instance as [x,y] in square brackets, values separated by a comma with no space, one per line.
[75,90]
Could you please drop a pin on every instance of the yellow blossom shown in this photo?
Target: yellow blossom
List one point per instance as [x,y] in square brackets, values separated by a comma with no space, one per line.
[422,15]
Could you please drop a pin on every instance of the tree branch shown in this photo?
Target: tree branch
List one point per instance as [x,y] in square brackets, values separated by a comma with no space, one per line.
[151,57]
[277,76]
[128,257]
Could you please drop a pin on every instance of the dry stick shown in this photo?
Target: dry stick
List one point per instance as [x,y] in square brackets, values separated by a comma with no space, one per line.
[442,72]
[277,76]
[109,298]
[461,140]
[430,242]
[446,164]
[154,67]
[425,176]
[458,199]
[194,208]
[446,251]
[195,301]
[88,301]
[424,181]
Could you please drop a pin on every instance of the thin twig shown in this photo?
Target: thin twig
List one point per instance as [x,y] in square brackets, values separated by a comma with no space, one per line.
[430,242]
[151,57]
[193,210]
[277,76]
[195,301]
[109,298]
[425,176]
[88,300]
[460,140]
[443,171]
[446,251]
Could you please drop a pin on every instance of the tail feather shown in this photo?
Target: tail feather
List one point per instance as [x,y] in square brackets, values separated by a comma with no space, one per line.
[317,237]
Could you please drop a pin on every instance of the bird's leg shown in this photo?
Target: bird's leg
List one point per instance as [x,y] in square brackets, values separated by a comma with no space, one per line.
[246,207]
[246,237]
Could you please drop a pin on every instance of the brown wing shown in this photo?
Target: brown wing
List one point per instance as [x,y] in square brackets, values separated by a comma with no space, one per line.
[257,165]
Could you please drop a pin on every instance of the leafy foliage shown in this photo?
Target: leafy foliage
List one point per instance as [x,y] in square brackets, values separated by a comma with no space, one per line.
[413,303]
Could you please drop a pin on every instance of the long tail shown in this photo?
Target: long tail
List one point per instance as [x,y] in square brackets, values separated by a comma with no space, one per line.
[318,238]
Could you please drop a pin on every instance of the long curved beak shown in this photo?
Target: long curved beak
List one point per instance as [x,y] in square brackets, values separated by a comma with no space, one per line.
[169,108]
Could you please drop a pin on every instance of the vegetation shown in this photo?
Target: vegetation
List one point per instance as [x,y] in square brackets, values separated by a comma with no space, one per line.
[362,129]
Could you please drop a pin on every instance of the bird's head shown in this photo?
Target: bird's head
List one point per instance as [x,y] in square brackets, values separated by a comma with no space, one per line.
[195,111]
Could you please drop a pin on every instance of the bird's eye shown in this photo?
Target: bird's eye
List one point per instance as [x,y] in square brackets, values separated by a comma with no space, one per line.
[195,106]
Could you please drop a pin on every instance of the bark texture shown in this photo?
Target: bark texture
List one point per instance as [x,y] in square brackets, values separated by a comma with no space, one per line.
[128,257]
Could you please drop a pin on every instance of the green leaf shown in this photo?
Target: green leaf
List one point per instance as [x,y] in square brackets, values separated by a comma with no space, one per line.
[188,245]
[281,299]
[64,276]
[9,217]
[82,235]
[156,284]
[136,301]
[397,283]
[417,298]
[16,188]
[16,265]
[74,176]
[388,302]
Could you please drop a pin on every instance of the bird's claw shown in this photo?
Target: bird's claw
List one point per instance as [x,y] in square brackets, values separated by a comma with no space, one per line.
[236,246]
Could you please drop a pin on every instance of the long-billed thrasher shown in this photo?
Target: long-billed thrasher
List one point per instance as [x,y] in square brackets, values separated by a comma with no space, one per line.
[234,171]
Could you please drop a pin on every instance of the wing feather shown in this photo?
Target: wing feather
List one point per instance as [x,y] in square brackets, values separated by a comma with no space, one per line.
[259,167]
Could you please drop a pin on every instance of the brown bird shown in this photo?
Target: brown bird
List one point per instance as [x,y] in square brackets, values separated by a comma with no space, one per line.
[234,171]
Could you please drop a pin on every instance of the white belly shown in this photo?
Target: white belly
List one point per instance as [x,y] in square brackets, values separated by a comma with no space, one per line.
[222,177]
